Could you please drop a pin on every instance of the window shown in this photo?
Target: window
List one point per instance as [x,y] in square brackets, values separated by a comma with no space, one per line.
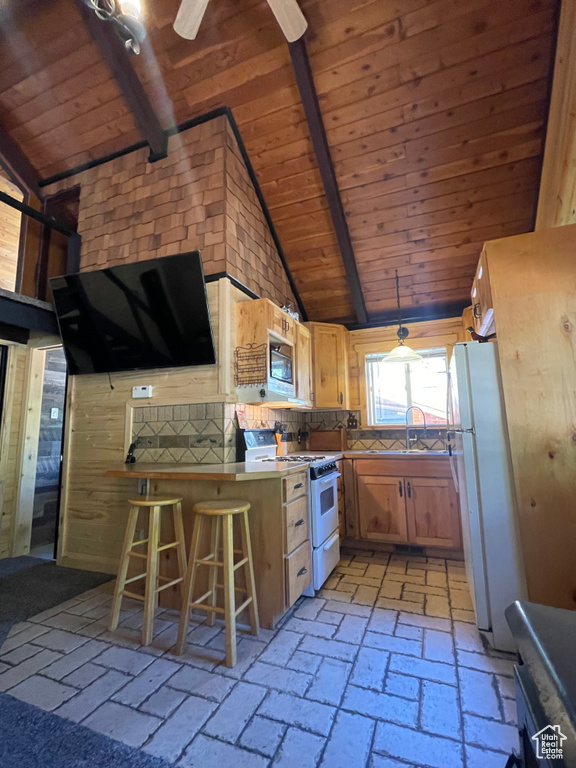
[391,388]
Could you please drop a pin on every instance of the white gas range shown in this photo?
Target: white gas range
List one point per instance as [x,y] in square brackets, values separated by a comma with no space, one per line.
[257,445]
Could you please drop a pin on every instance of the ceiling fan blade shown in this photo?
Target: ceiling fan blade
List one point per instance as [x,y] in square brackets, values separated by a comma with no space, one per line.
[290,18]
[189,18]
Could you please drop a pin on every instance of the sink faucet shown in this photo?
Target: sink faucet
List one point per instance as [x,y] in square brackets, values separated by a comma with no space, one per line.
[412,408]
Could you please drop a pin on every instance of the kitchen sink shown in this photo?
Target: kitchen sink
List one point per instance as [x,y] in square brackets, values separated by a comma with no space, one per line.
[404,451]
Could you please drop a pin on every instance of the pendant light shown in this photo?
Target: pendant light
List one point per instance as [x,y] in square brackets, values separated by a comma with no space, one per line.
[401,353]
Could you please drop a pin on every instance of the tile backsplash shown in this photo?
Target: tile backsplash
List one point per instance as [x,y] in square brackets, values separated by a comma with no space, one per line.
[205,433]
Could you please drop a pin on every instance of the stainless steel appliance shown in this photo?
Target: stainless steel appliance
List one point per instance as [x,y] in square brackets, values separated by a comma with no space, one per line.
[255,445]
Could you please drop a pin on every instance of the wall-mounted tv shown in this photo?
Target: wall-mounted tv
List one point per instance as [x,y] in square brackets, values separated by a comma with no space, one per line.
[149,314]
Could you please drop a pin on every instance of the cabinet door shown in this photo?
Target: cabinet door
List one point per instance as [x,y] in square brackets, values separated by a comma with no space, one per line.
[330,362]
[280,323]
[381,508]
[303,363]
[432,512]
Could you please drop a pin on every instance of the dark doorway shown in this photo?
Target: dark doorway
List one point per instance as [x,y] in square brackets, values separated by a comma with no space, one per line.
[45,514]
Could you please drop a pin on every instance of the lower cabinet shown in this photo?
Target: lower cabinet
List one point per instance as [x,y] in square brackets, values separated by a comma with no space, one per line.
[432,512]
[394,504]
[382,509]
[296,536]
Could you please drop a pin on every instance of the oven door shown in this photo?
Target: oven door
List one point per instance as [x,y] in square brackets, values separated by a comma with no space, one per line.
[324,508]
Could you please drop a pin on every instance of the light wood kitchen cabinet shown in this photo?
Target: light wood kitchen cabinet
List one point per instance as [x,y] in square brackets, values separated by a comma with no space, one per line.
[381,508]
[329,366]
[297,544]
[303,364]
[402,500]
[432,512]
[280,323]
[259,318]
[341,501]
[482,304]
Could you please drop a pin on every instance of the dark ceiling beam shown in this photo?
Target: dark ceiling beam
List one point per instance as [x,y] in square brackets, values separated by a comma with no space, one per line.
[116,56]
[17,163]
[309,96]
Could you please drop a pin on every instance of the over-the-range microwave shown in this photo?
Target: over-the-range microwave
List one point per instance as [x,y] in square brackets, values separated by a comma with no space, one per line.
[280,386]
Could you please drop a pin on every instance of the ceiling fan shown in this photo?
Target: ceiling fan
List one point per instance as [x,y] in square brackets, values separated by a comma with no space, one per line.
[287,12]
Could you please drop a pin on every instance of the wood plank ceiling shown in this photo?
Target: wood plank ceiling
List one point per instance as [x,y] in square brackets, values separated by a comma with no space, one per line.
[434,110]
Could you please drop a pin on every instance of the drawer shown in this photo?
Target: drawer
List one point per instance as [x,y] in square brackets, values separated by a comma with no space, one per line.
[326,558]
[298,572]
[296,523]
[295,486]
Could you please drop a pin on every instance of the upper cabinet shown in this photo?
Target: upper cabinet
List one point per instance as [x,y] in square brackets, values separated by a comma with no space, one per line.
[303,364]
[482,305]
[329,366]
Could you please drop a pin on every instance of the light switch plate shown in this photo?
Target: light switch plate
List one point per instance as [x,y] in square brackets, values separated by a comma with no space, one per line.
[142,392]
[54,413]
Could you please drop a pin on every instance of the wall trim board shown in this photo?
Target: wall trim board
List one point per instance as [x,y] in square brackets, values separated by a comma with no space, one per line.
[216,276]
[28,452]
[192,123]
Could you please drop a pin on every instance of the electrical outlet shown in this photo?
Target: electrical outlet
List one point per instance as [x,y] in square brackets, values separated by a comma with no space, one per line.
[54,413]
[143,391]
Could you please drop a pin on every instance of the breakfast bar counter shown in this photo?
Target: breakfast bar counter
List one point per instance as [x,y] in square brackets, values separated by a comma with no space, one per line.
[238,471]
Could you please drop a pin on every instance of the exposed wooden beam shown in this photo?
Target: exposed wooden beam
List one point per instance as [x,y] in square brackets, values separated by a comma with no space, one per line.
[115,55]
[17,162]
[309,96]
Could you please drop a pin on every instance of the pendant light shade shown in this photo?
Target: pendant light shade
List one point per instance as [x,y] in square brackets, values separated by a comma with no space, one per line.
[402,353]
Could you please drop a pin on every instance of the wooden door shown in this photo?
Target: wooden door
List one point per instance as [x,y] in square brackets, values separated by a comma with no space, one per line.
[330,374]
[432,512]
[303,363]
[381,508]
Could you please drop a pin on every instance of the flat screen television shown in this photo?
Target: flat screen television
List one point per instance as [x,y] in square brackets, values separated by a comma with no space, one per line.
[149,314]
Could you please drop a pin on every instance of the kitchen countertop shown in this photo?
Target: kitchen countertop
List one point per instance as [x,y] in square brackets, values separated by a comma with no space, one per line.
[241,471]
[222,472]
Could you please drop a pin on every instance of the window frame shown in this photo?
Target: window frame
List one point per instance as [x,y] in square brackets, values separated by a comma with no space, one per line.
[421,344]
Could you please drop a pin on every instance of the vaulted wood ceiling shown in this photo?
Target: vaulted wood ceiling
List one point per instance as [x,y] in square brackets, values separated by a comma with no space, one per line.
[435,113]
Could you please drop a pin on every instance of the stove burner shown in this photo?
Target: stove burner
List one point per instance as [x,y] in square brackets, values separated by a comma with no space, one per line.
[296,458]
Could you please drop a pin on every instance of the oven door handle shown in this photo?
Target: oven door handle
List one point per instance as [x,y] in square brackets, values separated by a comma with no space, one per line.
[331,541]
[329,478]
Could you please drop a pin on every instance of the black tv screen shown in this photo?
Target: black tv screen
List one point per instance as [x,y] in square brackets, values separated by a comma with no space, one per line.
[149,314]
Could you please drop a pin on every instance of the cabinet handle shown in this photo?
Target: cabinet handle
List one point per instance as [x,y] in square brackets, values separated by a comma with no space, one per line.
[400,488]
[299,485]
[302,571]
[477,312]
[300,522]
[409,488]
[341,398]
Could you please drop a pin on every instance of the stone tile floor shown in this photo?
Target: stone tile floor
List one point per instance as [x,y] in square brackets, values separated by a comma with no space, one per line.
[383,669]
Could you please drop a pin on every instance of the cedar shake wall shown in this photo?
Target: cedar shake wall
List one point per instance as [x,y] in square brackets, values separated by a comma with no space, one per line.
[199,197]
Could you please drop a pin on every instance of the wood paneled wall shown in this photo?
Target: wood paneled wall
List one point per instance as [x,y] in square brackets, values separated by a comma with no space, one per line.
[12,418]
[10,222]
[425,335]
[199,197]
[533,282]
[98,430]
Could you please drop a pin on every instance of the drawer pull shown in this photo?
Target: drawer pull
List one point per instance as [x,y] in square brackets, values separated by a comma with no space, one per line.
[302,571]
[299,485]
[300,522]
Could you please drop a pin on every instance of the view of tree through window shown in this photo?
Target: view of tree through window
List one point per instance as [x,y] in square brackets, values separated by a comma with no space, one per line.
[391,388]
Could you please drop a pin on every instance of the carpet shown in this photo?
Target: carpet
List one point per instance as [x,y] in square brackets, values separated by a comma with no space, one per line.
[29,586]
[32,738]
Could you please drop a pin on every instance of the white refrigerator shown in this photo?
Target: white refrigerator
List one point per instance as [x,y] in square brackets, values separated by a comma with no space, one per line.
[482,470]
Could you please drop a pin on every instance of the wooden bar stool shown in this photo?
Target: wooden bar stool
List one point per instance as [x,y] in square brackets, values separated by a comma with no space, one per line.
[154,504]
[222,516]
